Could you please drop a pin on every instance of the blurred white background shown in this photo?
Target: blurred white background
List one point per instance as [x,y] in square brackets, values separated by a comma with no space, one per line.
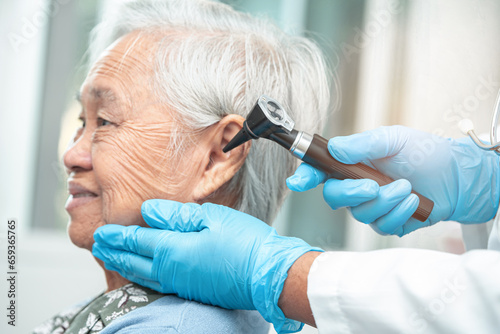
[420,63]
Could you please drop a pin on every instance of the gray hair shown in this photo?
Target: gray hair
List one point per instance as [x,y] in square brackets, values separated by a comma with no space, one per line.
[214,61]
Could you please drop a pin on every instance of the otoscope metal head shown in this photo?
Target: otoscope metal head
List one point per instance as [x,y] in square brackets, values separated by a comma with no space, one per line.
[267,118]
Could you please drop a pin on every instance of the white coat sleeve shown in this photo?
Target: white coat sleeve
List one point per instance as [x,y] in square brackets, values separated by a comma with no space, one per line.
[406,291]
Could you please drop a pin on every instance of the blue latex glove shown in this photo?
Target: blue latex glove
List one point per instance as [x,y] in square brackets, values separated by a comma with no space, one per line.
[461,179]
[209,253]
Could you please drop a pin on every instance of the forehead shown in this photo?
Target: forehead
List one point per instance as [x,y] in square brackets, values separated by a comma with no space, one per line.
[122,71]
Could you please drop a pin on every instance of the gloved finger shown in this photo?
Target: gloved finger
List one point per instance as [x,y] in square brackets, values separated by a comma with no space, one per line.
[369,145]
[388,197]
[393,222]
[126,263]
[135,239]
[340,193]
[154,285]
[305,178]
[174,216]
[410,226]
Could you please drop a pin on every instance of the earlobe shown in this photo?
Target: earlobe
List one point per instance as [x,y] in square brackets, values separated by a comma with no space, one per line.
[220,166]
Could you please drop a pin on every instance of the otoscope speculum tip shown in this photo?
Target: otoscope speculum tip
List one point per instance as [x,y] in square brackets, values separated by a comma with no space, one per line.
[244,135]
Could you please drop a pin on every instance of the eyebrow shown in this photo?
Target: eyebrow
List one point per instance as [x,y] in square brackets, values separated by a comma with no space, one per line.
[98,93]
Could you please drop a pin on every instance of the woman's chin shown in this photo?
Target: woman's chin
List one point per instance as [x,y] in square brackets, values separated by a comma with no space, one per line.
[82,234]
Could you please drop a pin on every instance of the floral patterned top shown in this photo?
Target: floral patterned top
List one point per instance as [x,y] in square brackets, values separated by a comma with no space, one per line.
[95,315]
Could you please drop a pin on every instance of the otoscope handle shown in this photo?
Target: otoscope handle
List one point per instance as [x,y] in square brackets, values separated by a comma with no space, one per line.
[317,155]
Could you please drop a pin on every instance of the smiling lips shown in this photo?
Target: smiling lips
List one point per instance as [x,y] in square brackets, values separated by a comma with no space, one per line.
[79,195]
[83,195]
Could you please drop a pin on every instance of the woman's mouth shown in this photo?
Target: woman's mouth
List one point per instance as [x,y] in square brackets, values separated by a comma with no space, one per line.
[84,195]
[79,196]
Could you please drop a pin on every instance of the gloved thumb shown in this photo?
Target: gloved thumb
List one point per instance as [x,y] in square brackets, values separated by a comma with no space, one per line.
[174,216]
[305,178]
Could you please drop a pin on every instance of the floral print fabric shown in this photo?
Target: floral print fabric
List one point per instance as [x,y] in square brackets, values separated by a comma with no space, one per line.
[96,315]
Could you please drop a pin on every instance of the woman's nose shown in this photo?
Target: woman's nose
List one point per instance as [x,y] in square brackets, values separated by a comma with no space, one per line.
[78,155]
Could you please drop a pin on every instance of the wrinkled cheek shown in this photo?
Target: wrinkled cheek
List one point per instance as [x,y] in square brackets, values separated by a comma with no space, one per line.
[134,165]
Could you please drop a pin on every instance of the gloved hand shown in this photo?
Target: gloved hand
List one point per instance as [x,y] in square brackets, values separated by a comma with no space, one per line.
[461,179]
[209,253]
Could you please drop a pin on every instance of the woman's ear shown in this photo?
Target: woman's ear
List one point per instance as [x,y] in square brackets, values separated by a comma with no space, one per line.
[220,167]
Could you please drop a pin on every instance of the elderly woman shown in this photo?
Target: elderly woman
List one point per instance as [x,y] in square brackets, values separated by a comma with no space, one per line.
[170,84]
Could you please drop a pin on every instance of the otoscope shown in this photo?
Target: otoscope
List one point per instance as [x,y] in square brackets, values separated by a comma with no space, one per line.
[268,119]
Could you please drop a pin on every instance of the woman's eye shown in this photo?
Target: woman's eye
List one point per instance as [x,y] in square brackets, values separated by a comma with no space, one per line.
[83,122]
[103,122]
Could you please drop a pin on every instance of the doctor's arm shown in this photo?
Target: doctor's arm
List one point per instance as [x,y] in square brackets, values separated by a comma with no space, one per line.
[293,300]
[395,291]
[191,247]
[208,253]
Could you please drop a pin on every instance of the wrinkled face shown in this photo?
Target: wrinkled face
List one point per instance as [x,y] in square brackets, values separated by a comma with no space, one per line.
[121,155]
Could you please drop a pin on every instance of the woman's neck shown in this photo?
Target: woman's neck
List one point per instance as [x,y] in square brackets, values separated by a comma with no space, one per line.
[113,279]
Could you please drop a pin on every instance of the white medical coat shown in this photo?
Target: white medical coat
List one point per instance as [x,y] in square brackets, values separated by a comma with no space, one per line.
[408,290]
